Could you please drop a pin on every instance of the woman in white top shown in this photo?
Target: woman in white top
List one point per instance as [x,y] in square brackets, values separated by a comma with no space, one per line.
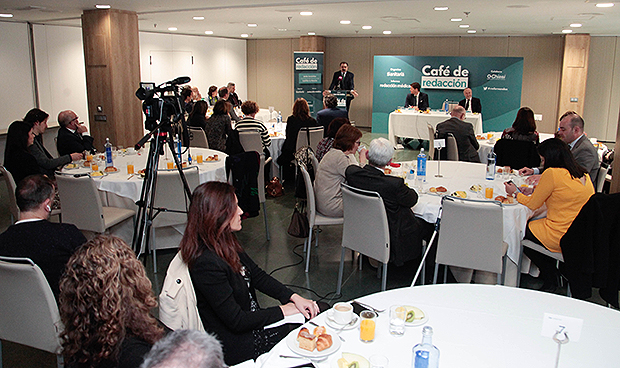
[330,173]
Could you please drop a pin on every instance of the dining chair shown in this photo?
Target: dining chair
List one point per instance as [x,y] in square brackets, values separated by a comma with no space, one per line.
[28,312]
[600,178]
[516,154]
[557,256]
[81,205]
[431,141]
[452,148]
[10,188]
[471,236]
[198,138]
[365,229]
[309,136]
[170,202]
[252,141]
[315,219]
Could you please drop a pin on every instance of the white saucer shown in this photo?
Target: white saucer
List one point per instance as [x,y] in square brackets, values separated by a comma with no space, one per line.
[329,320]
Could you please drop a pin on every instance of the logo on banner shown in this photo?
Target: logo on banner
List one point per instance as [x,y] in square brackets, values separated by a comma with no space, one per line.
[496,75]
[306,63]
[444,77]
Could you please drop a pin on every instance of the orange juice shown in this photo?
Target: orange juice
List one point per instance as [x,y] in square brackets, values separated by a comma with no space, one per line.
[89,157]
[129,168]
[367,330]
[488,192]
[94,166]
[199,159]
[170,165]
[489,135]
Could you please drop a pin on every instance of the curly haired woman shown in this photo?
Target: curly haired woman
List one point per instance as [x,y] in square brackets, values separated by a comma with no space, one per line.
[105,299]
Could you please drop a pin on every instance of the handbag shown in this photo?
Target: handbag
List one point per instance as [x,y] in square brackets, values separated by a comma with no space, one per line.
[299,226]
[274,188]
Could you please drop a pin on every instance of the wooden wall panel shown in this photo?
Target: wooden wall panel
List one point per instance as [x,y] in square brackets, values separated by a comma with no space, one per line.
[311,43]
[391,46]
[436,46]
[574,73]
[596,111]
[483,46]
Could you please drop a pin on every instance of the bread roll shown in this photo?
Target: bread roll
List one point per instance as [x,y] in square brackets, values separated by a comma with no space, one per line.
[323,342]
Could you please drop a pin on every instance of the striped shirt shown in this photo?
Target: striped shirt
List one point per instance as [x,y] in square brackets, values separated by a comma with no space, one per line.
[250,125]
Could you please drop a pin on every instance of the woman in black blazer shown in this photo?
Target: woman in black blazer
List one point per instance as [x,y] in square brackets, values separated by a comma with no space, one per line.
[17,159]
[226,279]
[301,118]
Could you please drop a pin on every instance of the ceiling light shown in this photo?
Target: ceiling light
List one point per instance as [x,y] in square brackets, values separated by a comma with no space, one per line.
[172,28]
[575,25]
[6,15]
[198,18]
[208,32]
[471,31]
[252,25]
[305,13]
[366,27]
[102,6]
[441,8]
[311,33]
[387,32]
[282,29]
[345,22]
[567,31]
[456,19]
[244,35]
[464,26]
[604,5]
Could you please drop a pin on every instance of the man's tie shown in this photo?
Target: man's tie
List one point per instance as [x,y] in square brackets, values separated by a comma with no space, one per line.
[466,104]
[415,101]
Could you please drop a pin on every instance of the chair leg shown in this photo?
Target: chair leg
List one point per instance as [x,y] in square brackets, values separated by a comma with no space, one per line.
[154,250]
[340,272]
[384,279]
[60,361]
[435,274]
[445,274]
[424,245]
[266,224]
[308,248]
[0,353]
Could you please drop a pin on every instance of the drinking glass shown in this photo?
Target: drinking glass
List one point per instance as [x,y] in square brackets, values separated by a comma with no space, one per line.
[378,361]
[130,168]
[94,165]
[397,320]
[199,159]
[367,325]
[488,192]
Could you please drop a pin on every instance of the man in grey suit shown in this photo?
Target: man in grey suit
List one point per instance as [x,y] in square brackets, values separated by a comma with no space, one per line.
[463,132]
[572,133]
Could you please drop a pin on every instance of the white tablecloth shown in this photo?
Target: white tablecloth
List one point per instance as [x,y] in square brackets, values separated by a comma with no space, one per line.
[479,326]
[412,124]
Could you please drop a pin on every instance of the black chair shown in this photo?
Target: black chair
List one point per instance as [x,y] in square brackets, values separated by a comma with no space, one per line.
[516,154]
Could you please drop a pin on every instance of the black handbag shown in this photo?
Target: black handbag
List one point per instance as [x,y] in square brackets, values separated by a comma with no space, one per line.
[299,226]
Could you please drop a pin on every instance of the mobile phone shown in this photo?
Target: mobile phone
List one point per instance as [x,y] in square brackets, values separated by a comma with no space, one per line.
[511,182]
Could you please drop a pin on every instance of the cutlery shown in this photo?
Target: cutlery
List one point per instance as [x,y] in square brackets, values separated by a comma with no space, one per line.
[314,360]
[370,307]
[130,176]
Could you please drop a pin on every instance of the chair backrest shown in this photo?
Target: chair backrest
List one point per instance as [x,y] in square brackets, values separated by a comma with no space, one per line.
[315,133]
[198,138]
[365,227]
[170,194]
[28,312]
[431,141]
[471,234]
[80,203]
[311,204]
[10,187]
[516,154]
[600,179]
[252,141]
[452,148]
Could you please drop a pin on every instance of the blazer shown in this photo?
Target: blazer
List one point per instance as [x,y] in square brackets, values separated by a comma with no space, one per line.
[586,155]
[325,116]
[465,138]
[476,106]
[47,164]
[20,164]
[293,126]
[347,82]
[223,298]
[68,142]
[406,230]
[422,104]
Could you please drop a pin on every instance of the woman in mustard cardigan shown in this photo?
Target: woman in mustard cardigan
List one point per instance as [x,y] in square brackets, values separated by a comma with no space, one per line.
[564,187]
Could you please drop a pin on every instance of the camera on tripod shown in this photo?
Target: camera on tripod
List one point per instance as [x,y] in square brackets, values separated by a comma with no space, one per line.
[161,103]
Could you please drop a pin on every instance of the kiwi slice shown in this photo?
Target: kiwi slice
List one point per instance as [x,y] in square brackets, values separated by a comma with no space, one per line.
[354,365]
[410,316]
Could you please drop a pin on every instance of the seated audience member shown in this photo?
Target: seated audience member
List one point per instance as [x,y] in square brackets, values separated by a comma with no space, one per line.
[469,103]
[326,143]
[105,303]
[72,136]
[186,95]
[406,230]
[523,128]
[571,132]
[330,112]
[196,96]
[48,244]
[17,158]
[198,116]
[299,119]
[212,95]
[226,279]
[564,187]
[224,94]
[47,163]
[232,96]
[331,171]
[218,126]
[185,349]
[463,132]
[249,123]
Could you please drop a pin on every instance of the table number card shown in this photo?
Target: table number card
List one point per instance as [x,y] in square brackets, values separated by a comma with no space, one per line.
[439,143]
[555,322]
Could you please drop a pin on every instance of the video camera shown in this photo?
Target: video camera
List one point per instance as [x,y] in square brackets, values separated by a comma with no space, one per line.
[162,104]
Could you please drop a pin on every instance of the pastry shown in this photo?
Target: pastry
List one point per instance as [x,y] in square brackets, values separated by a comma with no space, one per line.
[323,342]
[111,169]
[460,194]
[442,189]
[307,341]
[320,330]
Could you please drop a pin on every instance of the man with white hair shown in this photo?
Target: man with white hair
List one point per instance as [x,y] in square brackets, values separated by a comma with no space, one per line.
[185,349]
[406,230]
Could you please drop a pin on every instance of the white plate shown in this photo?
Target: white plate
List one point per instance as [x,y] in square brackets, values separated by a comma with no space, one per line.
[417,322]
[329,320]
[291,342]
[362,361]
[72,166]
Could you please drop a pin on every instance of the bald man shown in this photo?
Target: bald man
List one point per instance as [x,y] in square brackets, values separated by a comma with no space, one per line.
[72,136]
[471,104]
[463,132]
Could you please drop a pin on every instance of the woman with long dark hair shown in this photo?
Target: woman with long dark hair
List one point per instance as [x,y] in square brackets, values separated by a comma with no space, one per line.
[198,116]
[219,126]
[564,187]
[299,119]
[226,279]
[523,128]
[17,158]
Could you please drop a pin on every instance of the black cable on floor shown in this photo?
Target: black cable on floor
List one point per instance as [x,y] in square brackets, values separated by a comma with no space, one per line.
[301,260]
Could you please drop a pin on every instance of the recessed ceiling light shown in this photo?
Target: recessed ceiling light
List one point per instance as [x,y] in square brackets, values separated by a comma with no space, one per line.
[172,28]
[575,25]
[464,26]
[6,15]
[604,5]
[345,22]
[471,31]
[441,8]
[311,33]
[366,27]
[456,19]
[102,6]
[252,25]
[387,32]
[245,35]
[305,13]
[282,29]
[208,32]
[567,31]
[198,18]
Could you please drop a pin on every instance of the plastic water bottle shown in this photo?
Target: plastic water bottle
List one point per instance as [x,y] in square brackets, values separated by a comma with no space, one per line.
[179,149]
[491,166]
[279,117]
[108,153]
[421,178]
[425,354]
[446,106]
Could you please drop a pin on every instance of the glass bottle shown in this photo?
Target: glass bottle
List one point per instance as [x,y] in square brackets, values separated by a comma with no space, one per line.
[425,354]
[108,153]
[421,178]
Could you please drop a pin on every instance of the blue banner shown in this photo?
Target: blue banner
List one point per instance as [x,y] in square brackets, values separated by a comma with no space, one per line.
[496,81]
[308,71]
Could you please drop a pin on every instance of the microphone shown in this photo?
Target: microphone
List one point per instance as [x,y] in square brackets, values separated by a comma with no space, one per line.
[180,80]
[339,81]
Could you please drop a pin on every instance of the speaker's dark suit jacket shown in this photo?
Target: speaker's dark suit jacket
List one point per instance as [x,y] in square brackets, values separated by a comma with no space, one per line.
[347,82]
[68,143]
[465,138]
[476,106]
[406,230]
[422,104]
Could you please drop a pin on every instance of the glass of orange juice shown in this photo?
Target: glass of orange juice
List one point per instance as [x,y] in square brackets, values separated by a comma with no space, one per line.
[199,159]
[89,157]
[367,325]
[130,167]
[94,165]
[170,165]
[488,192]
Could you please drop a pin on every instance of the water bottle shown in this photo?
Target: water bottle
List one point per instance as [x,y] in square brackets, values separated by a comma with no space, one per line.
[491,166]
[179,150]
[446,106]
[425,354]
[279,117]
[421,178]
[108,153]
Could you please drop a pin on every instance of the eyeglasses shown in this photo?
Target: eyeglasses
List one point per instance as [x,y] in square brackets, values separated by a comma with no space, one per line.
[74,119]
[358,142]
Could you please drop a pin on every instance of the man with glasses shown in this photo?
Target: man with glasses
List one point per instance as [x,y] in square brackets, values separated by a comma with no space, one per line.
[72,136]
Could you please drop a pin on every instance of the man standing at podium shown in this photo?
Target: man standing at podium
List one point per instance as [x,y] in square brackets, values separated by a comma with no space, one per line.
[343,81]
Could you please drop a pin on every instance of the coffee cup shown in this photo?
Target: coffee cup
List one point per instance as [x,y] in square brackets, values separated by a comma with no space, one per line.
[343,312]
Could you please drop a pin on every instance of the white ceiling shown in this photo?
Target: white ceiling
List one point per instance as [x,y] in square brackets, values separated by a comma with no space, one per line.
[281,18]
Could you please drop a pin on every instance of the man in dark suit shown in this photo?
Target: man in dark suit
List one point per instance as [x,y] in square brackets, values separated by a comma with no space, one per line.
[343,81]
[232,96]
[49,245]
[471,104]
[406,230]
[463,132]
[417,99]
[330,112]
[72,135]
